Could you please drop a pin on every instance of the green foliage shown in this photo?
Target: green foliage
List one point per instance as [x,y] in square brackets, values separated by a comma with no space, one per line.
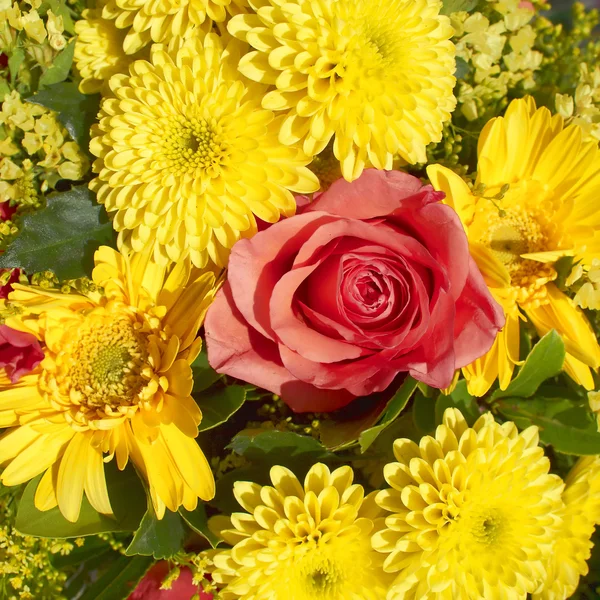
[219,405]
[76,111]
[127,499]
[62,237]
[61,66]
[204,374]
[452,6]
[120,579]
[544,361]
[198,521]
[395,406]
[160,538]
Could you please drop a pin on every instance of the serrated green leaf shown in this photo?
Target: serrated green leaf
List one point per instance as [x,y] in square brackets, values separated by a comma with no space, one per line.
[127,499]
[4,88]
[452,6]
[204,374]
[423,413]
[161,538]
[15,60]
[120,579]
[61,237]
[218,405]
[61,66]
[569,429]
[258,445]
[395,406]
[544,361]
[198,521]
[76,111]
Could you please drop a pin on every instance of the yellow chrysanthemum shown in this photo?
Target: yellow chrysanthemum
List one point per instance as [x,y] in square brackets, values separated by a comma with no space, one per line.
[297,542]
[161,20]
[378,76]
[115,383]
[475,513]
[534,201]
[98,51]
[580,515]
[188,156]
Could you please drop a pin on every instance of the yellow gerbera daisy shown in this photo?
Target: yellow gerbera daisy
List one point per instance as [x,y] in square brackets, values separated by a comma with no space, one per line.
[378,76]
[98,51]
[188,156]
[475,512]
[116,381]
[572,549]
[534,201]
[297,542]
[162,20]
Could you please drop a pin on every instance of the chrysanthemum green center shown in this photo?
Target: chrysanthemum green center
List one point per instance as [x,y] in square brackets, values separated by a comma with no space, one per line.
[107,365]
[193,146]
[321,575]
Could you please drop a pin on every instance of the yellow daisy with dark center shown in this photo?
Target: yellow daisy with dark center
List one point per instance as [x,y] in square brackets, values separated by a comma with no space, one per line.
[115,384]
[187,156]
[533,202]
[376,76]
[301,542]
[474,513]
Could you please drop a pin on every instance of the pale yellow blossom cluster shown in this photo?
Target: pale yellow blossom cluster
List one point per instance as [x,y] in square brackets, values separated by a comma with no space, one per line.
[497,44]
[35,152]
[588,282]
[583,107]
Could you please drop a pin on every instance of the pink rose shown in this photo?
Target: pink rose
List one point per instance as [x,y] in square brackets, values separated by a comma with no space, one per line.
[20,352]
[181,589]
[372,279]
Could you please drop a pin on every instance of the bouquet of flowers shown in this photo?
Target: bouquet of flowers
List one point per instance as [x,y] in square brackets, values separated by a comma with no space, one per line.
[298,300]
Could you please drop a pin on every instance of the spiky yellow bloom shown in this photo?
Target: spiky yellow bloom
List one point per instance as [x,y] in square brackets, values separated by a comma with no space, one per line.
[188,156]
[115,383]
[474,512]
[572,549]
[98,51]
[534,201]
[377,76]
[297,542]
[161,20]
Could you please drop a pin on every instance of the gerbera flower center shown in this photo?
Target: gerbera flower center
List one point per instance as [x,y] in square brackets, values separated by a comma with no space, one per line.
[108,359]
[192,146]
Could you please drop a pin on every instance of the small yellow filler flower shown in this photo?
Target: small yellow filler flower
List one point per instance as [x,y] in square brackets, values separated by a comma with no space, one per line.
[301,542]
[187,156]
[377,76]
[535,200]
[572,549]
[115,383]
[145,23]
[474,513]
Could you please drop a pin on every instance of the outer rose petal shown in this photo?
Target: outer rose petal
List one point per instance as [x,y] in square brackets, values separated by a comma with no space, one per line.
[20,352]
[182,588]
[240,351]
[478,319]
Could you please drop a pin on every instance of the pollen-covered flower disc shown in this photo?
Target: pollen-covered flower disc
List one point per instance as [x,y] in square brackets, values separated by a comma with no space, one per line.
[115,384]
[301,542]
[580,515]
[474,513]
[188,157]
[535,200]
[161,20]
[377,76]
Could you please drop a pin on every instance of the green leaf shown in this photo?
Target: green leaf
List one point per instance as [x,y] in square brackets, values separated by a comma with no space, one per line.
[218,405]
[395,406]
[458,398]
[76,111]
[61,237]
[452,6]
[161,538]
[120,580]
[563,267]
[15,60]
[544,361]
[61,66]
[4,88]
[198,521]
[204,374]
[258,445]
[127,499]
[568,428]
[462,68]
[423,413]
